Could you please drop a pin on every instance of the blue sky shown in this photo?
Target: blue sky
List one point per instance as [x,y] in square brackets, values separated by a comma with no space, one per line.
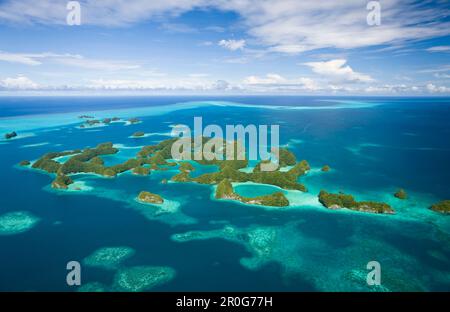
[225,47]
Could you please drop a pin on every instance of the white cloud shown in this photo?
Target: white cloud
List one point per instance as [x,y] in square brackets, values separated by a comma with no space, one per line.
[96,64]
[18,83]
[31,58]
[232,44]
[439,49]
[35,59]
[337,70]
[437,89]
[276,82]
[287,26]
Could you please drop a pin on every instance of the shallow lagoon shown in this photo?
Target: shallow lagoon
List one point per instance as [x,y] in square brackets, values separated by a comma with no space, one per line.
[321,249]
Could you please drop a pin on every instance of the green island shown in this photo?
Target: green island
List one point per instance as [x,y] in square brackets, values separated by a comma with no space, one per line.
[10,135]
[150,198]
[159,157]
[91,122]
[326,168]
[138,134]
[340,200]
[442,207]
[401,194]
[134,120]
[225,191]
[24,163]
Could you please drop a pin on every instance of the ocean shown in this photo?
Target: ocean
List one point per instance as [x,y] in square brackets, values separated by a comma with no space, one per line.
[374,146]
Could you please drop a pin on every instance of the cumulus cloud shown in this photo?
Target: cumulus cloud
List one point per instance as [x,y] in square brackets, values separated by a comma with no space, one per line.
[337,70]
[232,44]
[18,83]
[437,89]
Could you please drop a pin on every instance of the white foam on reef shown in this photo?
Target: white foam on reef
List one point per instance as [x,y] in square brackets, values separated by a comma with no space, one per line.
[17,222]
[34,145]
[24,123]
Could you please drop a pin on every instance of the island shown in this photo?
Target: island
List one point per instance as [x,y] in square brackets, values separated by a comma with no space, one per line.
[341,200]
[159,158]
[10,135]
[326,168]
[62,182]
[138,134]
[91,122]
[24,163]
[401,194]
[150,198]
[442,207]
[225,190]
[133,121]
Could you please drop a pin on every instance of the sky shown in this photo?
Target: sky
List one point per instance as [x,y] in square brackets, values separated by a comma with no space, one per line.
[299,47]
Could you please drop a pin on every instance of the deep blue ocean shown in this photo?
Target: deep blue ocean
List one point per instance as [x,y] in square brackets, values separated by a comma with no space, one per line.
[373,145]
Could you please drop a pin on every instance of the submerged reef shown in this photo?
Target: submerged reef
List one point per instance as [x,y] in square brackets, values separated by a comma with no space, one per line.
[16,222]
[108,257]
[92,287]
[142,278]
[147,197]
[317,261]
[225,190]
[442,207]
[338,201]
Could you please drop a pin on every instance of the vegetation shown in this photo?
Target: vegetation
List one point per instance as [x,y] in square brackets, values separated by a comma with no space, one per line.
[138,134]
[61,182]
[10,135]
[326,168]
[24,163]
[147,197]
[141,171]
[337,201]
[186,167]
[401,194]
[225,191]
[133,120]
[442,207]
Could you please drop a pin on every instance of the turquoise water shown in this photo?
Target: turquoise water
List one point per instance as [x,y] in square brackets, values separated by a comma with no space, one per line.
[373,145]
